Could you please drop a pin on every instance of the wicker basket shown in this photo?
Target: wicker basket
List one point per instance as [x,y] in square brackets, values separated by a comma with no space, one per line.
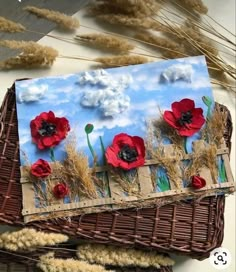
[192,227]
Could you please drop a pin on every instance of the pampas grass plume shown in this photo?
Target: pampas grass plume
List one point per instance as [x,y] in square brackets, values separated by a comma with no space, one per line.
[124,20]
[50,264]
[106,42]
[123,60]
[29,239]
[62,20]
[10,26]
[33,55]
[118,256]
[195,5]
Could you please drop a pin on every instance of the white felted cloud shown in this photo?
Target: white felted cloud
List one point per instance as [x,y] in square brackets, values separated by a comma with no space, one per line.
[109,98]
[178,72]
[32,94]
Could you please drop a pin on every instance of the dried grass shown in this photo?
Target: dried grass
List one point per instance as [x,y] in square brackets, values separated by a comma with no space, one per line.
[205,157]
[134,8]
[215,126]
[122,257]
[193,5]
[62,20]
[167,47]
[106,42]
[134,22]
[48,263]
[10,26]
[124,60]
[78,173]
[33,55]
[128,181]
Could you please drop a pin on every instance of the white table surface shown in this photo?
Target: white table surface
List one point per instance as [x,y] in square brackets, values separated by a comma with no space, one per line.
[224,12]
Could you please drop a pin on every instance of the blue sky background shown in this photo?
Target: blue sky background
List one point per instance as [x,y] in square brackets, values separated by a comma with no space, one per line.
[62,95]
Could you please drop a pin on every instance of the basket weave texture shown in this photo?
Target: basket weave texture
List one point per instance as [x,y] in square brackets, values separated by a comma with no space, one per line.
[191,227]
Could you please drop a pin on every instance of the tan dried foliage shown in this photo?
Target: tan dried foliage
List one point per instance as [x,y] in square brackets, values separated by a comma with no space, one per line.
[10,26]
[215,126]
[106,42]
[167,47]
[48,263]
[193,5]
[123,60]
[134,8]
[204,158]
[29,239]
[118,256]
[78,173]
[61,19]
[124,20]
[33,55]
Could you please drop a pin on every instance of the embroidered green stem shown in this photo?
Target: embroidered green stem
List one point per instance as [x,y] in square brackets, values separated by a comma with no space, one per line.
[52,155]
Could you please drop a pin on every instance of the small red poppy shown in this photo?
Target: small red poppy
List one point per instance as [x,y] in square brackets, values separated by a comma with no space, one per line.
[126,151]
[184,117]
[198,182]
[40,169]
[47,130]
[60,190]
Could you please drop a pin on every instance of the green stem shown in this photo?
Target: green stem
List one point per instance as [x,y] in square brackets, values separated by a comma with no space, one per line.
[185,145]
[52,155]
[103,150]
[104,163]
[91,148]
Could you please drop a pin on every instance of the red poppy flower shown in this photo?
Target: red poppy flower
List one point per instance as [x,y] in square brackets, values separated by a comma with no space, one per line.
[40,169]
[60,190]
[47,130]
[126,151]
[184,117]
[198,182]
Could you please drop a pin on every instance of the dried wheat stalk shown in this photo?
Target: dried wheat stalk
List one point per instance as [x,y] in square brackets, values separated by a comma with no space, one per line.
[10,26]
[62,20]
[106,42]
[33,55]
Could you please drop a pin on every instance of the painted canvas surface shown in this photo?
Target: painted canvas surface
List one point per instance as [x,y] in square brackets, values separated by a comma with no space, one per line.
[128,98]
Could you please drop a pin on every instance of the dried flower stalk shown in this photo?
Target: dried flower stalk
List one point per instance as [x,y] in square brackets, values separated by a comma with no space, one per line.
[78,173]
[29,239]
[106,42]
[118,256]
[62,20]
[32,55]
[124,60]
[134,8]
[50,264]
[195,5]
[10,26]
[143,23]
[167,47]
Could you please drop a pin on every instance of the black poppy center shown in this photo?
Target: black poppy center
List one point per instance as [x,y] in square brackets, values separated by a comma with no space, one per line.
[186,118]
[47,129]
[128,154]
